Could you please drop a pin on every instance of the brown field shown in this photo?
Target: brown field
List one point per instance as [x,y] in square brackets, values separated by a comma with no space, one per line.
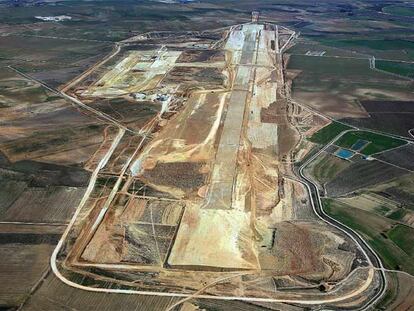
[52,204]
[53,294]
[340,95]
[302,249]
[400,292]
[21,267]
[326,168]
[189,77]
[41,126]
[151,223]
[25,253]
[193,56]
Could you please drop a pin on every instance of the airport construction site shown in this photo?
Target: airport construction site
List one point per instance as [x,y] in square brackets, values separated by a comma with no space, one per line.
[202,199]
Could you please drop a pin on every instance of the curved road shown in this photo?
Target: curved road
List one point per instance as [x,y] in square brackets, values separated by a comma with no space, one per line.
[317,206]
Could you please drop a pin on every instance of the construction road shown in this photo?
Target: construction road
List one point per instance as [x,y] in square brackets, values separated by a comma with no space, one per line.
[317,206]
[222,181]
[224,170]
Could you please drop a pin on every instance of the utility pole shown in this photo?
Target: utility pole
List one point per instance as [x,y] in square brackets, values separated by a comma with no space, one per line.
[372,62]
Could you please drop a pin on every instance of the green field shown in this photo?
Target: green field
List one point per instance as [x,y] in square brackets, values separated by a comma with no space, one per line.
[327,167]
[322,66]
[374,228]
[374,44]
[399,10]
[377,143]
[398,214]
[403,236]
[382,48]
[329,132]
[402,69]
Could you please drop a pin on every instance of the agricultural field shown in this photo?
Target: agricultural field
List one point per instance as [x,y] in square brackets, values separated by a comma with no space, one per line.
[39,125]
[389,116]
[369,196]
[310,47]
[403,237]
[319,85]
[399,293]
[109,22]
[24,262]
[328,133]
[394,247]
[401,69]
[371,143]
[377,47]
[362,174]
[401,156]
[374,202]
[399,10]
[327,167]
[54,294]
[52,61]
[399,190]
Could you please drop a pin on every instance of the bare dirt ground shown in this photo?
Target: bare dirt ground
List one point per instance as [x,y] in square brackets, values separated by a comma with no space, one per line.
[220,155]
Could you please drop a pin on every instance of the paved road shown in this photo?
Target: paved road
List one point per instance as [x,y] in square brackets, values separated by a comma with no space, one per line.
[366,249]
[326,117]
